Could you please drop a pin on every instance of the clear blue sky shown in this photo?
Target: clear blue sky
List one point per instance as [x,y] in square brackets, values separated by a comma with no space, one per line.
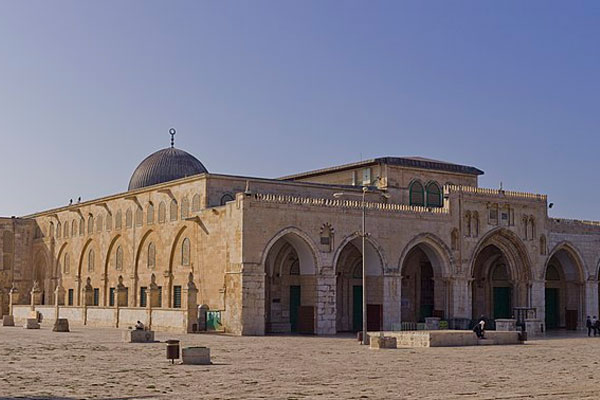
[268,88]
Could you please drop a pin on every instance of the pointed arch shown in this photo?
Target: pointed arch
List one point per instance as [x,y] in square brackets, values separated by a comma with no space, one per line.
[572,254]
[372,250]
[139,249]
[436,250]
[300,239]
[173,252]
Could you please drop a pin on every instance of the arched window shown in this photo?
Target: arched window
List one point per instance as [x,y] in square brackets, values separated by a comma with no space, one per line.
[196,203]
[468,224]
[185,208]
[543,245]
[416,193]
[66,230]
[73,228]
[151,256]
[90,228]
[434,195]
[226,199]
[162,212]
[150,214]
[139,216]
[475,223]
[119,259]
[58,230]
[99,223]
[185,252]
[119,220]
[66,264]
[109,222]
[91,260]
[51,230]
[173,210]
[128,218]
[81,227]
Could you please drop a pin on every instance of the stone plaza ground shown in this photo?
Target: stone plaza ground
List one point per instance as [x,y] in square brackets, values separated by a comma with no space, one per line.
[95,363]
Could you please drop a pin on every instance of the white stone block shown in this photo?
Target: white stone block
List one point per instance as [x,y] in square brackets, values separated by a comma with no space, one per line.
[196,355]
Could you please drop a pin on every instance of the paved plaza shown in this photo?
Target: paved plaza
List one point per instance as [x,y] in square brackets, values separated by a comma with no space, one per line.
[95,363]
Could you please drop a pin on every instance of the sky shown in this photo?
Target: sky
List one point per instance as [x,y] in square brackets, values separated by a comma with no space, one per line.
[270,88]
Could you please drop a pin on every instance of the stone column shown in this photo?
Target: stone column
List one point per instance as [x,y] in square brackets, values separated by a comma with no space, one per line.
[326,298]
[151,299]
[59,299]
[190,299]
[392,296]
[133,299]
[1,302]
[252,307]
[590,300]
[538,299]
[168,290]
[13,297]
[35,295]
[462,305]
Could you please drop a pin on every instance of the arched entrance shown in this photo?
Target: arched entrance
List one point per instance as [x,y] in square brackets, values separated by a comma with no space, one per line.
[563,304]
[349,287]
[290,286]
[500,273]
[423,285]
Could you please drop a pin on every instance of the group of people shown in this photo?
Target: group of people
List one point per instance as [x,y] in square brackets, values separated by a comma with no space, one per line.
[592,325]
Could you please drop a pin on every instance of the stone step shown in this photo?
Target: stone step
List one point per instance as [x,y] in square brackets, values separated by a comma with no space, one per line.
[485,342]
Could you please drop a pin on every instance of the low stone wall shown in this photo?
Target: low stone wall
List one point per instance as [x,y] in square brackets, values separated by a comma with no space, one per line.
[169,320]
[448,338]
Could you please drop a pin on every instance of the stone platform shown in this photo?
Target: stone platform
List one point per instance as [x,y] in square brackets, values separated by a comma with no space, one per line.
[138,336]
[449,338]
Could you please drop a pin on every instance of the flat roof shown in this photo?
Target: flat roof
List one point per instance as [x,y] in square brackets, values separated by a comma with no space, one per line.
[411,162]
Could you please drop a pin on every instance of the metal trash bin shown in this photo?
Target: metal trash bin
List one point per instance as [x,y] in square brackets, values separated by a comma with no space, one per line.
[173,350]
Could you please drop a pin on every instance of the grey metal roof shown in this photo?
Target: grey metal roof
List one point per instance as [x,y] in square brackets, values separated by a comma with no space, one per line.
[412,162]
[163,166]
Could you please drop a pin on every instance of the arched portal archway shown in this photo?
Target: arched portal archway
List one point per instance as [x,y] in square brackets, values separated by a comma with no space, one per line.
[349,286]
[423,284]
[564,280]
[290,286]
[501,273]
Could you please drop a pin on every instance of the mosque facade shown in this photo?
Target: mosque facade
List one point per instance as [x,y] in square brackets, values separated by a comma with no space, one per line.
[285,255]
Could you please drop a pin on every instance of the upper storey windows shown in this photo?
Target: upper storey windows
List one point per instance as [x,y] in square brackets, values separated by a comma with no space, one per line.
[429,195]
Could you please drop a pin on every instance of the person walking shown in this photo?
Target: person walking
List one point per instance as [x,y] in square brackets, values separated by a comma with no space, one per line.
[595,325]
[588,325]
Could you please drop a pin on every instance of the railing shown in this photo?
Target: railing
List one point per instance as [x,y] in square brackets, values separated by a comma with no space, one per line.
[495,192]
[354,204]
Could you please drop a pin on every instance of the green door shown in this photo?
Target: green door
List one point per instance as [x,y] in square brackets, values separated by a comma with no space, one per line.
[552,318]
[357,319]
[294,307]
[502,302]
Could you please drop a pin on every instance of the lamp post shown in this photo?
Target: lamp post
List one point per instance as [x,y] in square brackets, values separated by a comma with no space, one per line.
[363,235]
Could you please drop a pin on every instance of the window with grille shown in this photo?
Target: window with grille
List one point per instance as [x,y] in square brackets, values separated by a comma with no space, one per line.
[96,296]
[176,296]
[434,195]
[111,297]
[143,296]
[70,297]
[416,194]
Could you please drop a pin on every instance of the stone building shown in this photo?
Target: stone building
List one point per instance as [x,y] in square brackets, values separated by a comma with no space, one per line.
[285,255]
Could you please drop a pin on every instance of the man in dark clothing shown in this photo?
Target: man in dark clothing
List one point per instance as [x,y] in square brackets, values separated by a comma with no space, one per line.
[588,325]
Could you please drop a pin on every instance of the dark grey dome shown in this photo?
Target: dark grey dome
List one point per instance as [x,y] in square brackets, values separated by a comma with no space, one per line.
[163,166]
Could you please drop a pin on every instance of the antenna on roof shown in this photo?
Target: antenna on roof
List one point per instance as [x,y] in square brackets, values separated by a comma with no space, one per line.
[172,132]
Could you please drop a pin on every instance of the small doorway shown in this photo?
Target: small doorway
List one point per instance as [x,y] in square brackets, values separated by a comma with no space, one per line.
[295,301]
[357,318]
[552,308]
[502,306]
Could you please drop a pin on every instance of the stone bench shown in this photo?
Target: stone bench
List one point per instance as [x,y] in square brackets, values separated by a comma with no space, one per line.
[138,336]
[31,323]
[61,325]
[383,342]
[196,355]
